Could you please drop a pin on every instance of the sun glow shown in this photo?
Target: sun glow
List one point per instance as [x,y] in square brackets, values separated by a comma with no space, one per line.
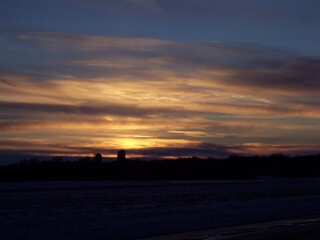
[147,142]
[132,143]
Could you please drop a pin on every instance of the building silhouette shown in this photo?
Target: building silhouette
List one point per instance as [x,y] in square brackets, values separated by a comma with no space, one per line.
[121,155]
[98,158]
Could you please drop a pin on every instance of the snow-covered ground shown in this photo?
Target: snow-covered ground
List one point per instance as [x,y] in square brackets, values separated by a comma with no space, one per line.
[307,228]
[128,210]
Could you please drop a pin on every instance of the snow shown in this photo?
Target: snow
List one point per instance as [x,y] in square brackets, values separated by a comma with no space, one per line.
[128,210]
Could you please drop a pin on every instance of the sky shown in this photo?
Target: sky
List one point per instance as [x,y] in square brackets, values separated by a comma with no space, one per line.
[159,78]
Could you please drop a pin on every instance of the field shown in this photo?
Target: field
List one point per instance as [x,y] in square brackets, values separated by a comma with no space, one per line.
[128,210]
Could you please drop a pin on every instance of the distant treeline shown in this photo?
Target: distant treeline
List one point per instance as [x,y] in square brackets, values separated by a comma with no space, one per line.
[234,167]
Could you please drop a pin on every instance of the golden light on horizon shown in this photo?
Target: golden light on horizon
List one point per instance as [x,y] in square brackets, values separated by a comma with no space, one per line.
[132,143]
[144,142]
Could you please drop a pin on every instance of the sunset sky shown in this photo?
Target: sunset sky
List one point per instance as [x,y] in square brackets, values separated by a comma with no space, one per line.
[159,78]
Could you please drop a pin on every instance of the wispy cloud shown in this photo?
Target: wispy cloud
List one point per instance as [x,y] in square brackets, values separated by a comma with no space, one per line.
[105,92]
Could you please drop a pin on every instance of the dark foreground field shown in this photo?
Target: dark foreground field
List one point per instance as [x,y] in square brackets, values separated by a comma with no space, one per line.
[293,229]
[120,210]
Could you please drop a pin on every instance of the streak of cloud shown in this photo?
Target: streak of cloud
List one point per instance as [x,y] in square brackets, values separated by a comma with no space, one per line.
[85,93]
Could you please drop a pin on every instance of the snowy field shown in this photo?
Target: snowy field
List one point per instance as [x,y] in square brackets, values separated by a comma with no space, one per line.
[129,210]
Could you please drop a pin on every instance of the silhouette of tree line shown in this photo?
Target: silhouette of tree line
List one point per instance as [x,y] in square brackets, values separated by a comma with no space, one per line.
[233,167]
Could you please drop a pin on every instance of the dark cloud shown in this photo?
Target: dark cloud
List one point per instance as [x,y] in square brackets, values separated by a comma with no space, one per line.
[92,110]
[5,82]
[297,75]
[211,150]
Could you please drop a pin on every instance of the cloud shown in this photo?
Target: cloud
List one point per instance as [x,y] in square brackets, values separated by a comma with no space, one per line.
[290,149]
[197,150]
[237,67]
[91,93]
[226,69]
[110,109]
[290,76]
